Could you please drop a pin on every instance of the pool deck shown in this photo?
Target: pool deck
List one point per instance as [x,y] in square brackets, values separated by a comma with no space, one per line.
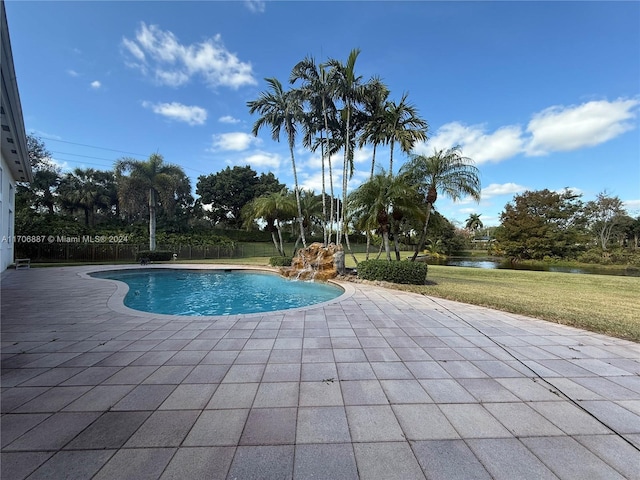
[378,384]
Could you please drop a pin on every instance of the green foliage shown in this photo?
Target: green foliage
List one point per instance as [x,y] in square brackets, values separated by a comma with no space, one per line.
[280,261]
[542,223]
[231,189]
[414,273]
[155,256]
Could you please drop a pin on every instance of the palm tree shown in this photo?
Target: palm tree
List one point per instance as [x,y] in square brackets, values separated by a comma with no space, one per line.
[315,90]
[273,208]
[374,113]
[83,190]
[474,223]
[403,125]
[373,203]
[347,87]
[280,109]
[160,180]
[446,171]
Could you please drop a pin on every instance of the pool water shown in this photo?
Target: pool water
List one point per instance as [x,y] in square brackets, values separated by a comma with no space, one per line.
[216,292]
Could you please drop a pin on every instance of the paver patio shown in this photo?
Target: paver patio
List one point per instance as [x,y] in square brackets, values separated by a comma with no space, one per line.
[377,384]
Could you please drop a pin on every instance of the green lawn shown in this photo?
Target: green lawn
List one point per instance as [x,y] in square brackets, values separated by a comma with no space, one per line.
[599,303]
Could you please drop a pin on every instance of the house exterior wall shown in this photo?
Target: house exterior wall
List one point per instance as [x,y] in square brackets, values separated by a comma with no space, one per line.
[15,165]
[7,215]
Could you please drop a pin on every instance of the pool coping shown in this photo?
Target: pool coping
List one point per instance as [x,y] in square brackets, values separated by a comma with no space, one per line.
[116,300]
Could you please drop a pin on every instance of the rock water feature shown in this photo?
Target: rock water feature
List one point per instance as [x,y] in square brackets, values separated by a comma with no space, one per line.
[316,262]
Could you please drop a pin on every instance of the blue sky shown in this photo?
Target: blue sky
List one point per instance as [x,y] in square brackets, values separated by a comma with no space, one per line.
[540,95]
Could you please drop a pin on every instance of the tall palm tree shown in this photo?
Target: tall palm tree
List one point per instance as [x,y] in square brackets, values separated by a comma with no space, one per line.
[273,208]
[158,179]
[316,91]
[403,125]
[349,88]
[280,109]
[446,171]
[83,190]
[373,203]
[374,112]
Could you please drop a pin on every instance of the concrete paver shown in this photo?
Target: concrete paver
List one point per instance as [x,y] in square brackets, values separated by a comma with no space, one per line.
[377,384]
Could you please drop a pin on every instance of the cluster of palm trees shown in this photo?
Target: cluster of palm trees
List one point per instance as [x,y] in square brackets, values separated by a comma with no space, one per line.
[335,110]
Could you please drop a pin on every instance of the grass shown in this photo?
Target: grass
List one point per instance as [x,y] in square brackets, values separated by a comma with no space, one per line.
[599,303]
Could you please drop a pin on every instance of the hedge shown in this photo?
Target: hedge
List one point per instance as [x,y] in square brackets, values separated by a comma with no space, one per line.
[280,261]
[396,272]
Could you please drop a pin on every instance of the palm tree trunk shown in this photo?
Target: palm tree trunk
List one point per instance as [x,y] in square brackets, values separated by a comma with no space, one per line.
[152,219]
[324,196]
[295,182]
[281,249]
[391,159]
[373,160]
[366,257]
[423,235]
[387,248]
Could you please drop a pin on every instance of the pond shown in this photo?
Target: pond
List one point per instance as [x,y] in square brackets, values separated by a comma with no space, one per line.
[492,263]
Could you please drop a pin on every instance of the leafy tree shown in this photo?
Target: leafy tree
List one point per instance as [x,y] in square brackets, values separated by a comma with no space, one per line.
[155,180]
[273,208]
[88,190]
[280,109]
[229,190]
[473,223]
[316,91]
[603,214]
[542,223]
[40,194]
[446,171]
[374,202]
[403,125]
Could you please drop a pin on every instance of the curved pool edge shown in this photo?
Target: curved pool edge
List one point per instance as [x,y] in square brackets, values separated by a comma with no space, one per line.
[116,299]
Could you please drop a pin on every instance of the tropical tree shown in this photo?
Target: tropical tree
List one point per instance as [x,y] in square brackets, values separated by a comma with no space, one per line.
[403,125]
[316,91]
[228,190]
[161,182]
[446,171]
[280,109]
[372,204]
[374,117]
[274,209]
[473,223]
[87,190]
[349,89]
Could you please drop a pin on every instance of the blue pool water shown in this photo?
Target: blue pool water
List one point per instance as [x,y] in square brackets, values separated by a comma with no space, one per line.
[216,292]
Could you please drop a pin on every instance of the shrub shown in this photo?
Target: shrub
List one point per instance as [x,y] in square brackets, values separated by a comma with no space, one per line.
[280,261]
[414,273]
[155,256]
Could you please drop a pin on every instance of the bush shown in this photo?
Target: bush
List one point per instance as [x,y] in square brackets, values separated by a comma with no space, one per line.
[414,273]
[280,261]
[155,256]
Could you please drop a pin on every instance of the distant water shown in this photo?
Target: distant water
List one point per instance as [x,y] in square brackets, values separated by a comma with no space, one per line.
[502,264]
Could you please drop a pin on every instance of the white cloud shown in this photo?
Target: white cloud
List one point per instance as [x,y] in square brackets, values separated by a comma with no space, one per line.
[192,115]
[72,73]
[632,207]
[561,128]
[262,161]
[228,119]
[96,84]
[236,141]
[174,64]
[256,6]
[554,129]
[496,189]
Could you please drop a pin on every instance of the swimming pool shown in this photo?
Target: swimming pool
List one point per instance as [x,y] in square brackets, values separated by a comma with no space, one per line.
[216,292]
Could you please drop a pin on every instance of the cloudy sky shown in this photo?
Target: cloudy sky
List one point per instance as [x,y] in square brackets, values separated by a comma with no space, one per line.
[539,95]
